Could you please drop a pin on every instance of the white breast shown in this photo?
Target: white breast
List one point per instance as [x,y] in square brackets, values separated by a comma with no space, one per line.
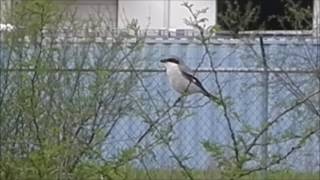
[178,81]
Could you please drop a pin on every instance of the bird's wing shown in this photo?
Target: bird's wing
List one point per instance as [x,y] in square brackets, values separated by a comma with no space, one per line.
[194,80]
[183,67]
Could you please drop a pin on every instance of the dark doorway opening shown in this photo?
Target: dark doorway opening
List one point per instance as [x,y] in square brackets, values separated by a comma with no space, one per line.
[272,14]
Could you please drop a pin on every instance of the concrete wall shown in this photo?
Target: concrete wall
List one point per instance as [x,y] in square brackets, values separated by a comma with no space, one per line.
[84,8]
[4,4]
[149,13]
[162,14]
[316,16]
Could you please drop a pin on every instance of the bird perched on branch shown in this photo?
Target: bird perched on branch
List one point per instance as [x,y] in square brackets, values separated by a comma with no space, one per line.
[182,79]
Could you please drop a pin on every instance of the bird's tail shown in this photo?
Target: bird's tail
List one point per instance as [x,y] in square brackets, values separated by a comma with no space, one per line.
[215,99]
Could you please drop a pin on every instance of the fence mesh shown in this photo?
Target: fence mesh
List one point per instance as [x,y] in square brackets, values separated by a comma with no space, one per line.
[124,110]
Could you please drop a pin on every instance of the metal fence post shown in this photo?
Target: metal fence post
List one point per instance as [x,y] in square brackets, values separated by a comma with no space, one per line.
[317,31]
[264,113]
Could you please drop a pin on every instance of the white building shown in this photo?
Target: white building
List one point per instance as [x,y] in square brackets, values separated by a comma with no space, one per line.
[164,14]
[151,14]
[170,14]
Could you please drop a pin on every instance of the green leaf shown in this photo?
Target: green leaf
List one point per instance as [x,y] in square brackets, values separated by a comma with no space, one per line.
[213,149]
[128,155]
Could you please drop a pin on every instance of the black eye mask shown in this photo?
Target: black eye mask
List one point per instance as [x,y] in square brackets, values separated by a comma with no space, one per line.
[172,60]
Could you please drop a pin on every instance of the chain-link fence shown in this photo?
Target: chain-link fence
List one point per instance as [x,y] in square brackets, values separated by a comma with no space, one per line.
[82,100]
[115,108]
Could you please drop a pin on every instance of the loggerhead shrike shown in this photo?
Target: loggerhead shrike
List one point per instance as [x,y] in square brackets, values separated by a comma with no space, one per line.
[182,79]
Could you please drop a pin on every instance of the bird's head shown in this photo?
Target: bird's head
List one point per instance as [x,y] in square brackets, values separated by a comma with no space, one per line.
[170,61]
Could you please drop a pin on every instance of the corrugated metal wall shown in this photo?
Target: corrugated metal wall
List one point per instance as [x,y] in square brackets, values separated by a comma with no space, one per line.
[245,92]
[241,85]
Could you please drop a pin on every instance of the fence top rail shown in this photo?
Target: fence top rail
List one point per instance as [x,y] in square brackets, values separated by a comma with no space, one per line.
[149,70]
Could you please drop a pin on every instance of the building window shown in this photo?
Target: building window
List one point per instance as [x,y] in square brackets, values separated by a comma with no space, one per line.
[240,15]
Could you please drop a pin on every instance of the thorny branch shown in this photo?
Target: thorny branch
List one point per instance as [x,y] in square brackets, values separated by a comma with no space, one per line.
[205,36]
[293,149]
[277,118]
[204,41]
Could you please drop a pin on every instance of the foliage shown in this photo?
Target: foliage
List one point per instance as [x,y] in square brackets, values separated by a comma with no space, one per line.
[241,157]
[60,99]
[62,93]
[241,16]
[236,19]
[298,17]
